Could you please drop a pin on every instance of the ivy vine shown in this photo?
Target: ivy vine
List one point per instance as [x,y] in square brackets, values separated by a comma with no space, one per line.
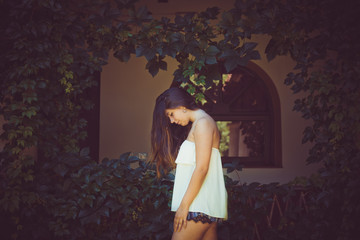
[51,51]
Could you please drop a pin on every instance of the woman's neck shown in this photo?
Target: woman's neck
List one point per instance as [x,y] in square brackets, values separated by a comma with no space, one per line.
[197,114]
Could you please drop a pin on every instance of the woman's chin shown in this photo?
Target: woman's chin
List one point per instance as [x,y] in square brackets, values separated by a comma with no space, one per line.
[184,124]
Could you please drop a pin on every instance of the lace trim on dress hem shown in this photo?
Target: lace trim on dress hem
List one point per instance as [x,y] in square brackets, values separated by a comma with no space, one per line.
[202,217]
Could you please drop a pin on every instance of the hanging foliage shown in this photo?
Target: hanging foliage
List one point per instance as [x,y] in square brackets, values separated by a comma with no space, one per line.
[322,38]
[51,51]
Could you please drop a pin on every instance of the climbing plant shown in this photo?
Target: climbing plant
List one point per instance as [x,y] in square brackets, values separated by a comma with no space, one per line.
[321,37]
[51,51]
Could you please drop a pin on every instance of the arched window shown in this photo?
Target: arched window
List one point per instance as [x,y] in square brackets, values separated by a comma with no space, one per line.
[246,107]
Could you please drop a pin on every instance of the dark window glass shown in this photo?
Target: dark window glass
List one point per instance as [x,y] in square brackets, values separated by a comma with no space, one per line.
[246,107]
[243,107]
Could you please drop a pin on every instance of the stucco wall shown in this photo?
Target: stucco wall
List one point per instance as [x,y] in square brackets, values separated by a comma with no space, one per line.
[127,97]
[128,94]
[292,125]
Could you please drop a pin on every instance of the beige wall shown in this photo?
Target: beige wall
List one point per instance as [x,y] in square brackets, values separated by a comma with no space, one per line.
[292,125]
[127,98]
[128,94]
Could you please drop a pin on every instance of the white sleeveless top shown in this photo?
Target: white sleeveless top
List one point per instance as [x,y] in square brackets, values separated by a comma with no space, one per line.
[212,197]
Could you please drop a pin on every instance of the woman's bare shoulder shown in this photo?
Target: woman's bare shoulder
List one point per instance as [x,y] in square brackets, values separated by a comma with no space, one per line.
[205,123]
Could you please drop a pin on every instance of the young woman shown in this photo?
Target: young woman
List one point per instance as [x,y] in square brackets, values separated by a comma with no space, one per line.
[186,136]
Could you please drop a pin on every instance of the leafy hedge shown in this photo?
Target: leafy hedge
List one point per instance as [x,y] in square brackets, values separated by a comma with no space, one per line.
[288,211]
[323,41]
[122,199]
[50,52]
[87,200]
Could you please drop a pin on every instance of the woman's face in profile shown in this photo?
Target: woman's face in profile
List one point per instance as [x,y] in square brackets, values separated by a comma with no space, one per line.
[178,115]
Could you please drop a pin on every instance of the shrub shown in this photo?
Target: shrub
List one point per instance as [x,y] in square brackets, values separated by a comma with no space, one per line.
[123,199]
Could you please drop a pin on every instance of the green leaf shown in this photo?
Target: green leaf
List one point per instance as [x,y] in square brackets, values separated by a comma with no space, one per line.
[139,51]
[149,53]
[231,63]
[61,169]
[163,65]
[153,68]
[211,13]
[167,50]
[247,47]
[30,112]
[124,156]
[84,152]
[210,60]
[177,37]
[143,14]
[123,55]
[212,51]
[271,50]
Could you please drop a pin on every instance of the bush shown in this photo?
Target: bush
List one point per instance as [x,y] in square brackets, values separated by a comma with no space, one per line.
[116,199]
[50,52]
[123,199]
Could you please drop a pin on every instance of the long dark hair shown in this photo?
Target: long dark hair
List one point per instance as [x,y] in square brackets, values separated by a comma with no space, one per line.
[166,138]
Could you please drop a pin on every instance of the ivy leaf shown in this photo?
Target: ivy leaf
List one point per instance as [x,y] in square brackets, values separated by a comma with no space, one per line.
[210,60]
[143,14]
[61,169]
[231,63]
[149,53]
[84,152]
[210,53]
[229,53]
[248,47]
[123,55]
[270,50]
[177,41]
[139,51]
[231,59]
[163,65]
[124,156]
[167,50]
[125,3]
[235,41]
[253,55]
[153,67]
[180,21]
[193,47]
[230,169]
[237,165]
[210,13]
[177,37]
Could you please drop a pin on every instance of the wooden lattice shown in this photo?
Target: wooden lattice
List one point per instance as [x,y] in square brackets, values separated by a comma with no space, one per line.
[280,208]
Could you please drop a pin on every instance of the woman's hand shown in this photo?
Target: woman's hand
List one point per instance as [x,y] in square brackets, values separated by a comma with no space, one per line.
[180,218]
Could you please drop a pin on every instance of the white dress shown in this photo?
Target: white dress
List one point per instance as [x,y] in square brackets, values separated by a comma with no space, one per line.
[212,197]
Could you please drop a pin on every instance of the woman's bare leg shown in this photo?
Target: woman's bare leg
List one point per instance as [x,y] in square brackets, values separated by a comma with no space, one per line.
[193,231]
[211,233]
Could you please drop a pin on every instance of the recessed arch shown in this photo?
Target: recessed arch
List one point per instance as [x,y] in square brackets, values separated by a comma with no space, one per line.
[275,99]
[246,106]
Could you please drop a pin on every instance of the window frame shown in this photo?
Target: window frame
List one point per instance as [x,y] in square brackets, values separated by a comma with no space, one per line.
[272,135]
